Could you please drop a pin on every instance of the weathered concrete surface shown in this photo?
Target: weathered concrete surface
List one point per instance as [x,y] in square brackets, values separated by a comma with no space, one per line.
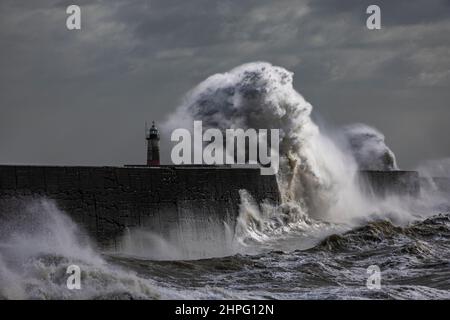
[382,183]
[108,200]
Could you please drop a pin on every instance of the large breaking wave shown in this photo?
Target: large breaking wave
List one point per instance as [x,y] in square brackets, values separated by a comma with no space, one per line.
[318,177]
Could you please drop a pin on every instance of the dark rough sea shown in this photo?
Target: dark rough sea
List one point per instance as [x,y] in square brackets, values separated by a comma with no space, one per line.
[314,260]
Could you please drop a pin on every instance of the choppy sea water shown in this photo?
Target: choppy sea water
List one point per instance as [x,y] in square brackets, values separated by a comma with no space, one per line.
[414,263]
[321,262]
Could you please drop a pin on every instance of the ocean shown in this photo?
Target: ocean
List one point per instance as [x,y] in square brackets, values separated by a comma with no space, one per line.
[303,260]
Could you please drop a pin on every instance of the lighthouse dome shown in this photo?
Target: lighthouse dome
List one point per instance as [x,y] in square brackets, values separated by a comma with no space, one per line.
[153,132]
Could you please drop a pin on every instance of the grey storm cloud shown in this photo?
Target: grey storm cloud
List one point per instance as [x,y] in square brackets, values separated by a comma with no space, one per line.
[81,97]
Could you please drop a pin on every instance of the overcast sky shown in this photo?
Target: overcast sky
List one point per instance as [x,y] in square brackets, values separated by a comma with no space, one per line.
[82,97]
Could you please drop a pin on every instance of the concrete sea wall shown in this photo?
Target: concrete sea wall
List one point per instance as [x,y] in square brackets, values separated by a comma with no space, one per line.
[107,201]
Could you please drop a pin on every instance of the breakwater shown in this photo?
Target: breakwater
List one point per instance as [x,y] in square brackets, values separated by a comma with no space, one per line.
[108,201]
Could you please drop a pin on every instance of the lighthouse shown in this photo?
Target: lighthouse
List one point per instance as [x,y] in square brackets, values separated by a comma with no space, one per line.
[152,137]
